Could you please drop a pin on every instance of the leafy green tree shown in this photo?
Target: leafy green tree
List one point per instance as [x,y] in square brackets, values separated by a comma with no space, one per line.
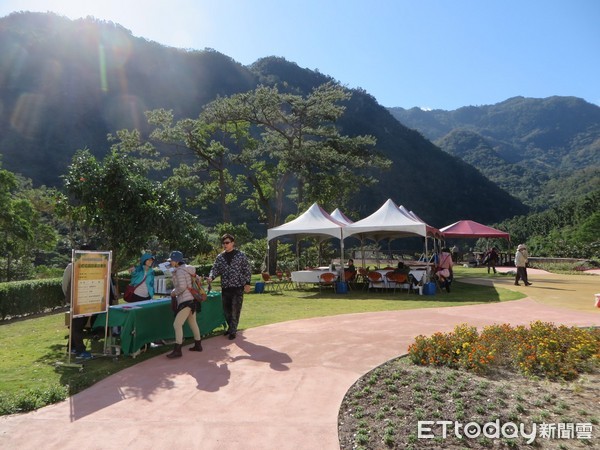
[205,150]
[589,231]
[48,244]
[18,229]
[568,230]
[301,153]
[241,232]
[118,208]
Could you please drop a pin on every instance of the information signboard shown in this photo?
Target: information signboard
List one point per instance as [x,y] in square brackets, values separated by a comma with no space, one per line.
[90,287]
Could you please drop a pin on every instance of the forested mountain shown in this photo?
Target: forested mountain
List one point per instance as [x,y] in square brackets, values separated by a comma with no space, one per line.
[543,151]
[65,84]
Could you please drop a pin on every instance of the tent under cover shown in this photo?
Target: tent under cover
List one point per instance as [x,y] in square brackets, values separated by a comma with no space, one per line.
[388,222]
[340,217]
[315,221]
[431,231]
[469,229]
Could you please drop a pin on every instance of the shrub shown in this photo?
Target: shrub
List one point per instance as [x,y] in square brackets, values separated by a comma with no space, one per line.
[543,349]
[31,399]
[21,298]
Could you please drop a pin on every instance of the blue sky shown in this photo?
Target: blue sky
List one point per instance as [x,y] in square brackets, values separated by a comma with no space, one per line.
[440,54]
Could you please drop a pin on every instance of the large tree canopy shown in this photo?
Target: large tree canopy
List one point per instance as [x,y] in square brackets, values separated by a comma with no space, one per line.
[118,208]
[301,154]
[270,146]
[22,233]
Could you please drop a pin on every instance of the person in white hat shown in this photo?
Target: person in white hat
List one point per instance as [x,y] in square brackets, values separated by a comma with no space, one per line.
[521,265]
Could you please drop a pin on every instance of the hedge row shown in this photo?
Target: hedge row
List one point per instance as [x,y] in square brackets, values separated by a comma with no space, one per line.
[24,298]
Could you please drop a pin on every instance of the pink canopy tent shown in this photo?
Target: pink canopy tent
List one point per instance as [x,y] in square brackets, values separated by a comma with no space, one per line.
[468,229]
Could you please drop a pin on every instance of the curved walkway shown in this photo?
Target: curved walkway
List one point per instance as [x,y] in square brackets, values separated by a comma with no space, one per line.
[274,387]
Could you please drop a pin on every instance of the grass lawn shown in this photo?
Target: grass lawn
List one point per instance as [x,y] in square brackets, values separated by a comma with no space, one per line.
[30,376]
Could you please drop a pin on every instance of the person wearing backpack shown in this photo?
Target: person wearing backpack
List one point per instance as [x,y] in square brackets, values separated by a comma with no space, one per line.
[184,305]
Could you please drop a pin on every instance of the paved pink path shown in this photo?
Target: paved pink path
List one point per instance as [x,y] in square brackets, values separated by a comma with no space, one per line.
[275,387]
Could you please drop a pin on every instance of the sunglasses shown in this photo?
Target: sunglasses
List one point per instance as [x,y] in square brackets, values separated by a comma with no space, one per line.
[226,242]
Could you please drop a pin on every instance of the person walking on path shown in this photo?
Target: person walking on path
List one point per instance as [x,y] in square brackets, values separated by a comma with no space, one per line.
[521,265]
[233,267]
[186,307]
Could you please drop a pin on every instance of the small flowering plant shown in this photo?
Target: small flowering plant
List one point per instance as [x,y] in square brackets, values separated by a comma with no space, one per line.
[542,349]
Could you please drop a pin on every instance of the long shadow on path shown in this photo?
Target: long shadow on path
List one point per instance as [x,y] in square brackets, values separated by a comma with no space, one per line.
[278,386]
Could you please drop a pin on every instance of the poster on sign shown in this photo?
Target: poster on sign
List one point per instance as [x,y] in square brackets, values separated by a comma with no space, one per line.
[91,282]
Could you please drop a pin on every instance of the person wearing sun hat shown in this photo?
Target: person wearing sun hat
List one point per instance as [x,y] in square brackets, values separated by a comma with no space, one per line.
[186,307]
[521,258]
[142,276]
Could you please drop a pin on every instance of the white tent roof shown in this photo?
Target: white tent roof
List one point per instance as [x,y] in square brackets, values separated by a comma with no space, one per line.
[387,222]
[431,231]
[340,217]
[315,221]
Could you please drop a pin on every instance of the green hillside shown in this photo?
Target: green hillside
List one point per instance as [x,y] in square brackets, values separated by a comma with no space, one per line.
[542,151]
[68,84]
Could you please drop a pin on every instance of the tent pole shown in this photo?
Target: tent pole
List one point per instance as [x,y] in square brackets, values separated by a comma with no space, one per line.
[268,246]
[341,268]
[362,250]
[426,260]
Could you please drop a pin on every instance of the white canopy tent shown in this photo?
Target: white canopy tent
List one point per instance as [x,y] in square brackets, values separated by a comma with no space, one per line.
[431,231]
[388,222]
[314,222]
[341,217]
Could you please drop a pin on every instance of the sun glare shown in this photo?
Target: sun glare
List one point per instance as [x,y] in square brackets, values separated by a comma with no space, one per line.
[128,14]
[174,25]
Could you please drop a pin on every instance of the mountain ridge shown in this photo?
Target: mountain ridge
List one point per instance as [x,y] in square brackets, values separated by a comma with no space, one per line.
[67,84]
[543,141]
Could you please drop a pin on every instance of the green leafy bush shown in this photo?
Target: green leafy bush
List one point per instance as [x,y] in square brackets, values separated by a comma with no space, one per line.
[22,298]
[31,399]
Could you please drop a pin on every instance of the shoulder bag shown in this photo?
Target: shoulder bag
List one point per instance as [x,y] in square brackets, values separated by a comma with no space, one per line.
[130,289]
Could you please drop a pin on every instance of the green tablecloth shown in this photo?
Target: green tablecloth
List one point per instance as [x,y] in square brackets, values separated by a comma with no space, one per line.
[152,320]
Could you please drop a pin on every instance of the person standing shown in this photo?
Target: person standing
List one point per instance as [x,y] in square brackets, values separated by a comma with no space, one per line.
[491,259]
[78,324]
[142,277]
[233,267]
[78,347]
[521,258]
[186,307]
[454,251]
